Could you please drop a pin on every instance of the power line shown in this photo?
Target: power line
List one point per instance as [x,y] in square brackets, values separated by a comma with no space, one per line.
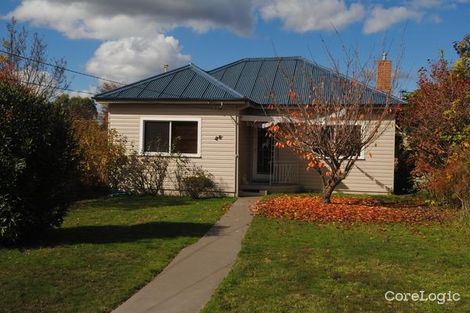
[42,85]
[61,67]
[78,72]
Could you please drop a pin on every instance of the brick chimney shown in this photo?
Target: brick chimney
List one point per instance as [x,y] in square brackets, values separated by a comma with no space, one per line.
[384,74]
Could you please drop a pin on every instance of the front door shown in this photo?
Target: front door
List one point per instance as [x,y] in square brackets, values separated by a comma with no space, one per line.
[263,154]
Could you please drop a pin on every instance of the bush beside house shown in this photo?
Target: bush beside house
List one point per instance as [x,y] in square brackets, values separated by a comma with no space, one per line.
[37,163]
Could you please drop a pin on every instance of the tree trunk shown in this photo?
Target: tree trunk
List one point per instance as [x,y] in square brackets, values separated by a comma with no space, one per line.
[327,191]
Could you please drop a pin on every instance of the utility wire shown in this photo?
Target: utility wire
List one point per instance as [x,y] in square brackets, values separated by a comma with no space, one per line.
[81,73]
[42,85]
[61,67]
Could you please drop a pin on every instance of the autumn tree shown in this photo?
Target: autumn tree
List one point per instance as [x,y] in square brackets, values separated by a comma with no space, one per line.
[99,150]
[438,116]
[437,128]
[331,120]
[24,60]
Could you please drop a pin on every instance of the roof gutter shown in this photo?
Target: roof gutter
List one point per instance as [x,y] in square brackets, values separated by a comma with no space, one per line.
[172,101]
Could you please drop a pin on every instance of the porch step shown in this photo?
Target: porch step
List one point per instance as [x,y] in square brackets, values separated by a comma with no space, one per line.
[252,193]
[264,189]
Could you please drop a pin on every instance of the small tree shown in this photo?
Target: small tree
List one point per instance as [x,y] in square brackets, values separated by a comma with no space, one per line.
[26,62]
[78,107]
[331,120]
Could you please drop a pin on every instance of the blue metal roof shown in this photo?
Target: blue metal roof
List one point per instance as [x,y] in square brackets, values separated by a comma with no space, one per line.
[269,80]
[259,80]
[185,83]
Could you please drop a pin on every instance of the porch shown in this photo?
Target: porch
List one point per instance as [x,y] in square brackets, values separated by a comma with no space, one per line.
[263,168]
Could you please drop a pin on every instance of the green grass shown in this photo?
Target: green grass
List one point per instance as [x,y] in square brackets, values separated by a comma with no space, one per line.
[106,249]
[291,266]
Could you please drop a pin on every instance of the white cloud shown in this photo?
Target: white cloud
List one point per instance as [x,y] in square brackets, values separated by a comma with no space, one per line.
[310,15]
[132,58]
[381,19]
[133,32]
[134,44]
[84,92]
[115,19]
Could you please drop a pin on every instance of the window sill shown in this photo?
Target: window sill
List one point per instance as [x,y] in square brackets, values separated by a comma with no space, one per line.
[171,155]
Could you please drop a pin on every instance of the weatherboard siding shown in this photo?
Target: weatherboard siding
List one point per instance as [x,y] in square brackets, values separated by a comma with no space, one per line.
[217,156]
[373,174]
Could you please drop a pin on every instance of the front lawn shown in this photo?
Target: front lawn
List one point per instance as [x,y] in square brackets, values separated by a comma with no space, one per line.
[295,266]
[105,251]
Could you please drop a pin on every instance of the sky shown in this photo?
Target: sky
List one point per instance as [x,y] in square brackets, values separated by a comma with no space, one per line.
[126,40]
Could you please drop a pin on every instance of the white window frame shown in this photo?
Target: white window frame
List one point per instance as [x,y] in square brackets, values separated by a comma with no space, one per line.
[169,118]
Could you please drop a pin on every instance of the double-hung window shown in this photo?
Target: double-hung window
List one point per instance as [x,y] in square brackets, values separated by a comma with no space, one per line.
[164,135]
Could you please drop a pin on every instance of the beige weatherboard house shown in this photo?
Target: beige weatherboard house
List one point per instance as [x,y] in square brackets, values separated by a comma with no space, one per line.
[219,117]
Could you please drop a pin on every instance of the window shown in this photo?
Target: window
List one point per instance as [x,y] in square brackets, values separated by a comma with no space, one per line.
[355,139]
[156,135]
[184,137]
[171,136]
[346,137]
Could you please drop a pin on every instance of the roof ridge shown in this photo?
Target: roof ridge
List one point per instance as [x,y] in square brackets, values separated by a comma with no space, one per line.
[252,60]
[226,65]
[215,81]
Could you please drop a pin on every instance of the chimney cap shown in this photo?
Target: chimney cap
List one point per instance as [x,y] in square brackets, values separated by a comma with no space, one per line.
[384,56]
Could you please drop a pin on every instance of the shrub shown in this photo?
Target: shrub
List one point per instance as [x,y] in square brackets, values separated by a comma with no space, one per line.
[99,150]
[199,183]
[182,170]
[37,163]
[450,185]
[140,174]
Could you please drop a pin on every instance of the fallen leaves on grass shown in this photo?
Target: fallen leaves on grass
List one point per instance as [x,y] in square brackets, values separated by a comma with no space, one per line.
[347,210]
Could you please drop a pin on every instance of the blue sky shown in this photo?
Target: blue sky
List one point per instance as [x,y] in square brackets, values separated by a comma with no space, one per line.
[129,40]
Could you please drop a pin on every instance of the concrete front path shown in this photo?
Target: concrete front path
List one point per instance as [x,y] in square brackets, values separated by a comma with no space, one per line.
[189,281]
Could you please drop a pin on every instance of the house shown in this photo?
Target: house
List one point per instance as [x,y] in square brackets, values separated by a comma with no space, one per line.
[219,117]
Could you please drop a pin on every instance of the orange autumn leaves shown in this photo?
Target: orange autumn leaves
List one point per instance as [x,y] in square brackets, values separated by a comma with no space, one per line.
[346,210]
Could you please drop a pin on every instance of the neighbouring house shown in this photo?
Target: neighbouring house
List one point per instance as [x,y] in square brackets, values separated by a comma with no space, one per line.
[219,117]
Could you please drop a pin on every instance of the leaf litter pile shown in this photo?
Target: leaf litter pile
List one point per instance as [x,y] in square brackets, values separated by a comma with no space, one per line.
[347,210]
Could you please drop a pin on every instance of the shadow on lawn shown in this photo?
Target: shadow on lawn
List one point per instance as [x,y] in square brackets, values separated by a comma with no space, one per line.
[104,234]
[127,203]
